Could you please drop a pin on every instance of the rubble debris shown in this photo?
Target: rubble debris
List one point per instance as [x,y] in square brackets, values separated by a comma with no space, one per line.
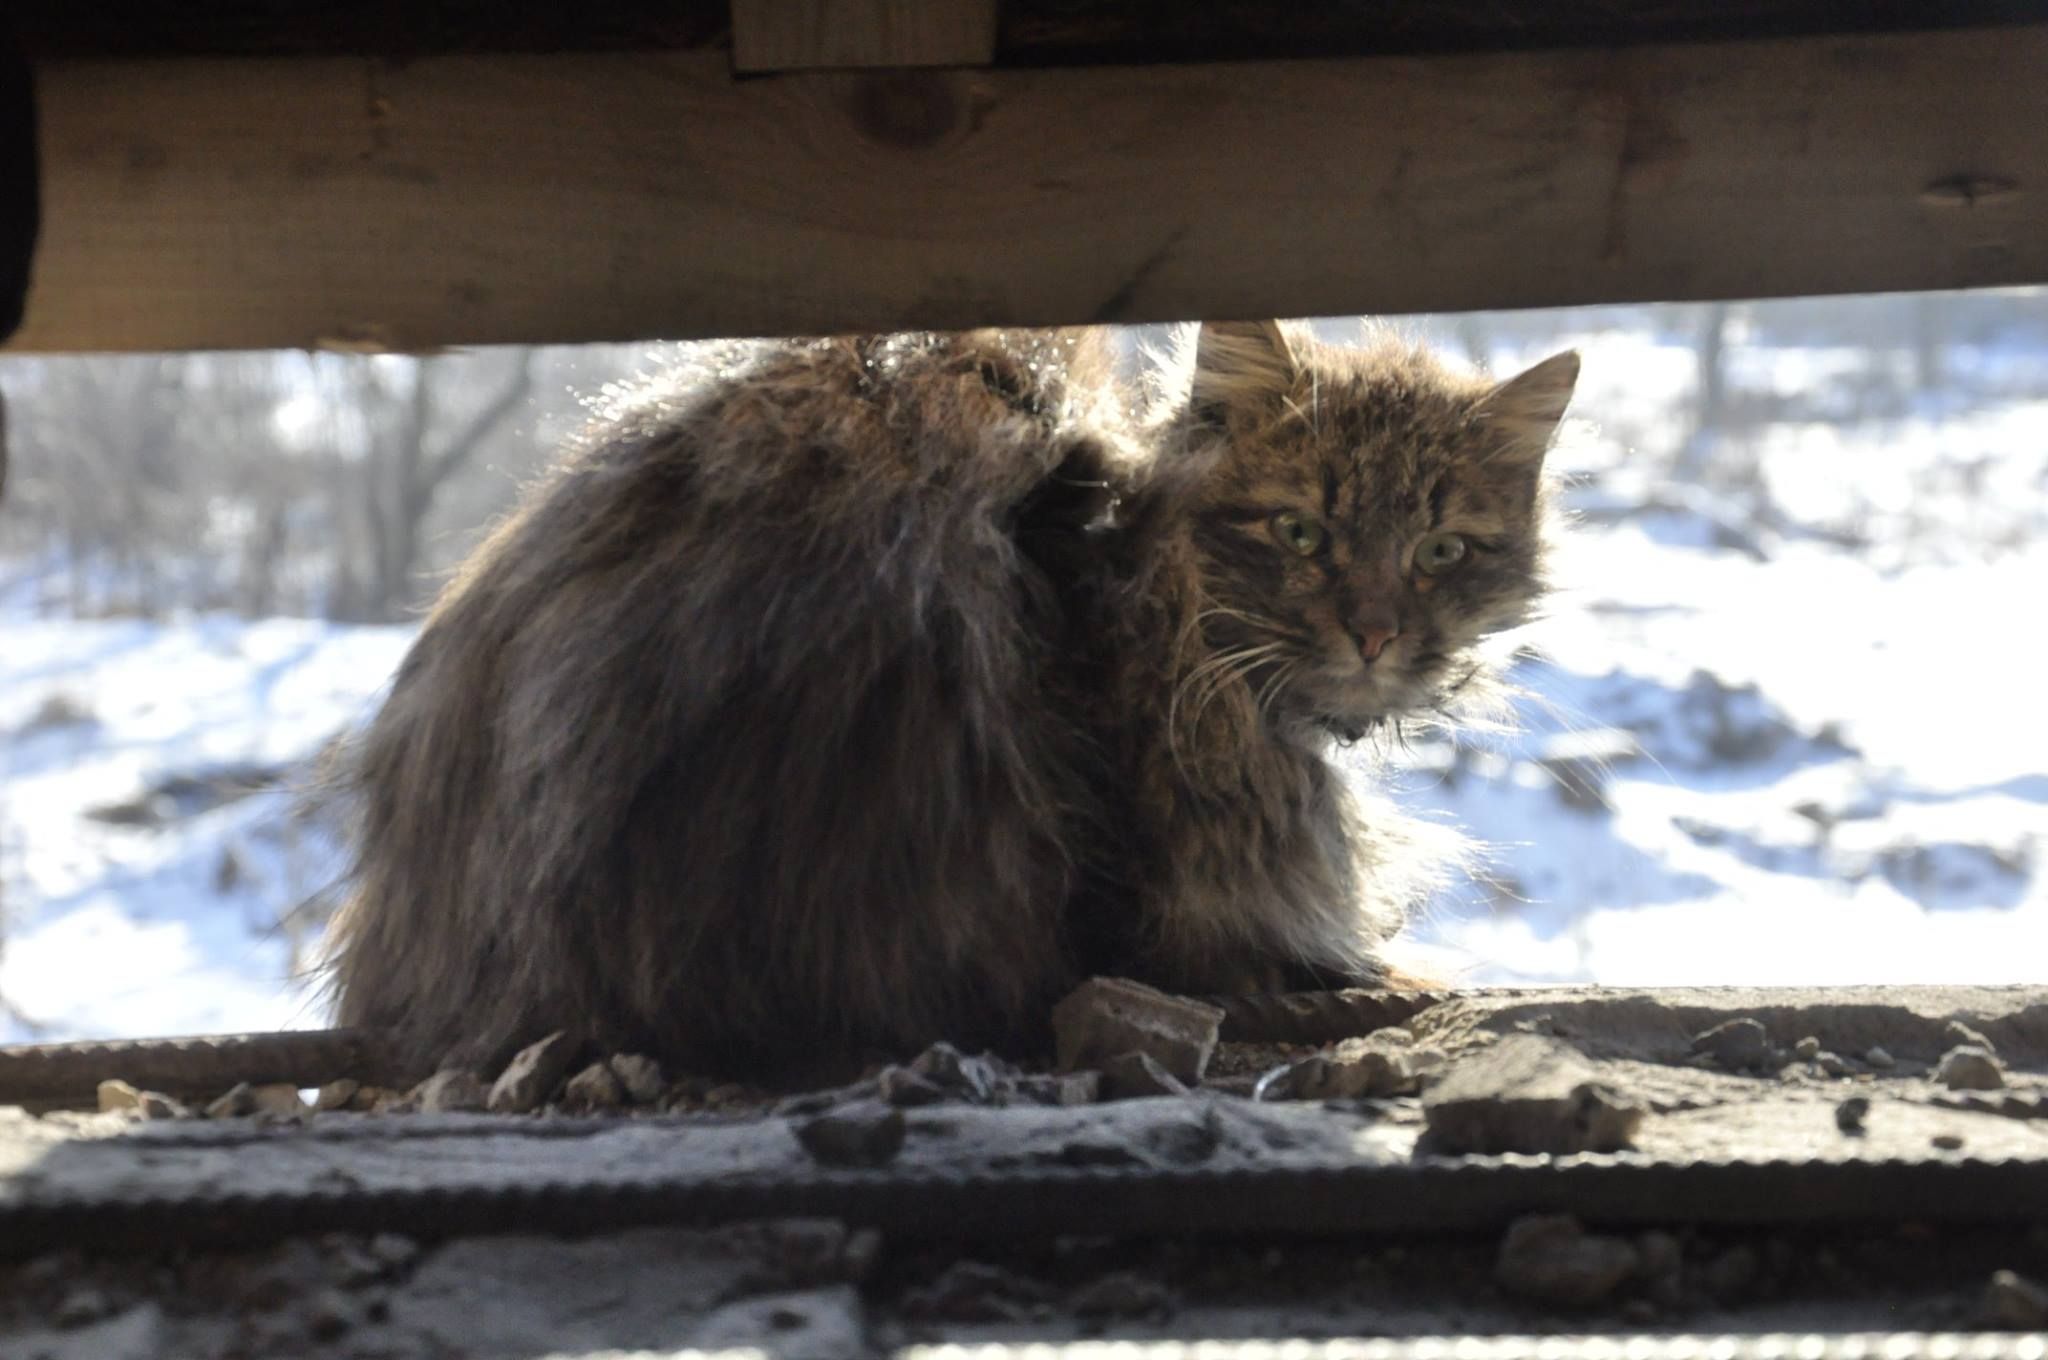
[1850,1114]
[593,1089]
[1370,1066]
[1957,1034]
[1948,1142]
[1105,1017]
[337,1095]
[1970,1067]
[241,1099]
[1741,1045]
[979,1079]
[1878,1056]
[1551,1258]
[1807,1049]
[449,1091]
[858,1133]
[116,1094]
[2011,1300]
[532,1075]
[1131,1075]
[1527,1093]
[639,1077]
[1061,1088]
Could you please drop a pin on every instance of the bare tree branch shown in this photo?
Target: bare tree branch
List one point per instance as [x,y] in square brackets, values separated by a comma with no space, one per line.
[459,449]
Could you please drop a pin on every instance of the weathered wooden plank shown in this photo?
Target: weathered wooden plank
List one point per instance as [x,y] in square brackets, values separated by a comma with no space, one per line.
[811,35]
[523,199]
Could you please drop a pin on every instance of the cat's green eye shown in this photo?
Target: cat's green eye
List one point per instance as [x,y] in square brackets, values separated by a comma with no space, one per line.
[1297,533]
[1439,553]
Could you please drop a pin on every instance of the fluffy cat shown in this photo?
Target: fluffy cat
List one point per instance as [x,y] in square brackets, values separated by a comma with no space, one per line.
[871,691]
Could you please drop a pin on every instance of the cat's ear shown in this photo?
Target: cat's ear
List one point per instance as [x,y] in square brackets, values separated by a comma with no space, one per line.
[1528,407]
[1241,361]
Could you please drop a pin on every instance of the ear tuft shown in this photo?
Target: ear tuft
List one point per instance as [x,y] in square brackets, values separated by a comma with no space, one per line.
[1529,406]
[1237,361]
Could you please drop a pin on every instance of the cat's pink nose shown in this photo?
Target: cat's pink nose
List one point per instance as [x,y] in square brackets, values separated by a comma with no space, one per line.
[1373,641]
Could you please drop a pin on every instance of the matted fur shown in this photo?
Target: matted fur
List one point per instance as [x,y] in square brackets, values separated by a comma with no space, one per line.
[873,691]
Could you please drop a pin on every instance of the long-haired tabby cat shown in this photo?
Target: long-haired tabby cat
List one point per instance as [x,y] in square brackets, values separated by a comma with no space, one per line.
[866,692]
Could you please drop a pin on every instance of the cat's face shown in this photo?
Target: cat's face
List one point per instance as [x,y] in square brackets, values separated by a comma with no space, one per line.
[1363,518]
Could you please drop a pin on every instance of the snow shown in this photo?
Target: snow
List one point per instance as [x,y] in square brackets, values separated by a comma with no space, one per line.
[1803,747]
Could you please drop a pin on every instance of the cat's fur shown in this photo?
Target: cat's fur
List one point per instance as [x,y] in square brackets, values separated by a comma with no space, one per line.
[873,691]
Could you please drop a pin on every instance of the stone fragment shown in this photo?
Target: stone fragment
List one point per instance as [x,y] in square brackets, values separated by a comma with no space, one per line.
[277,1098]
[901,1086]
[1948,1142]
[236,1101]
[1122,1294]
[1878,1056]
[116,1094]
[1061,1088]
[1551,1259]
[1742,1045]
[157,1105]
[1957,1034]
[592,1090]
[1130,1075]
[1968,1067]
[451,1090]
[859,1133]
[2013,1301]
[337,1095]
[981,1078]
[1850,1114]
[1527,1093]
[1370,1066]
[1832,1064]
[532,1075]
[1807,1049]
[1105,1017]
[639,1077]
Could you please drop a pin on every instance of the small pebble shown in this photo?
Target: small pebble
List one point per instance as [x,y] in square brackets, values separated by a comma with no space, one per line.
[1850,1114]
[277,1098]
[1832,1064]
[1970,1068]
[1740,1045]
[451,1090]
[238,1100]
[337,1095]
[533,1074]
[859,1133]
[639,1076]
[1948,1142]
[116,1094]
[1878,1056]
[593,1089]
[2013,1301]
[1807,1049]
[901,1086]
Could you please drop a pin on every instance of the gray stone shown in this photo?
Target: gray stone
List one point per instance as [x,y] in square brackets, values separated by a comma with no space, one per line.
[1527,1093]
[593,1089]
[1878,1056]
[1850,1114]
[1370,1066]
[1741,1045]
[2013,1301]
[639,1076]
[859,1133]
[337,1095]
[1128,1076]
[532,1075]
[979,1079]
[1105,1017]
[1551,1259]
[1970,1068]
[451,1090]
[1807,1049]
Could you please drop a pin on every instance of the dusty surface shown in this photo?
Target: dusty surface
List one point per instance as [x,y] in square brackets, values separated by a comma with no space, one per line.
[1836,1075]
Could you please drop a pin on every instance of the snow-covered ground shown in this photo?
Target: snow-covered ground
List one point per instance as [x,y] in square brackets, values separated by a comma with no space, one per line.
[1803,746]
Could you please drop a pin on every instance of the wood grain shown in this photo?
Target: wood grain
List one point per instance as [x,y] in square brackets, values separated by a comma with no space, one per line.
[469,200]
[808,35]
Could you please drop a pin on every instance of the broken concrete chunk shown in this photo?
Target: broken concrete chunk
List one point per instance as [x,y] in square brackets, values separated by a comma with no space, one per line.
[1104,1017]
[1528,1094]
[1552,1259]
[238,1100]
[639,1077]
[859,1133]
[337,1095]
[978,1079]
[532,1075]
[1957,1034]
[2012,1300]
[450,1090]
[1356,1067]
[1970,1068]
[1740,1045]
[593,1089]
[116,1094]
[1128,1076]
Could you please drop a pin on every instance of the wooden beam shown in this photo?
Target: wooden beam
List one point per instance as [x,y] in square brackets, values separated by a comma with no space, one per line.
[518,199]
[810,35]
